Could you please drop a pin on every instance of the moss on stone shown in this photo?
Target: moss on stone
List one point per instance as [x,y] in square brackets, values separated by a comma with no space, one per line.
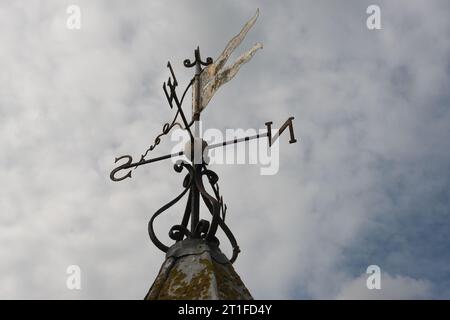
[204,279]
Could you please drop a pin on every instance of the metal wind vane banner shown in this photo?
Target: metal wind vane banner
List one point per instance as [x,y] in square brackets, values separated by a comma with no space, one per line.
[213,76]
[204,85]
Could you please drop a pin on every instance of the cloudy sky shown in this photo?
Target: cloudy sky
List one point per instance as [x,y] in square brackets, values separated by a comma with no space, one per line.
[367,183]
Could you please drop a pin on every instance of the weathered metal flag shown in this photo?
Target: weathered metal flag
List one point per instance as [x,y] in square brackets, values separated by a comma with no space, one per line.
[214,75]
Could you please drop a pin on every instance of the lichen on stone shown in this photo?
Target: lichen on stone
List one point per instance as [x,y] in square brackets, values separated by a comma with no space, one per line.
[198,276]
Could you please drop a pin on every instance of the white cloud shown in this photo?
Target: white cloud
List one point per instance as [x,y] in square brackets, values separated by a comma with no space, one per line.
[392,287]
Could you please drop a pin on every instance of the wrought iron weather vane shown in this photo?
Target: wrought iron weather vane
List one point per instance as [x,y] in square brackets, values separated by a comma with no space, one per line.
[204,84]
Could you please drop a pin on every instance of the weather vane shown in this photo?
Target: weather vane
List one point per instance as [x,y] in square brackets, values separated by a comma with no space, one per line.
[204,84]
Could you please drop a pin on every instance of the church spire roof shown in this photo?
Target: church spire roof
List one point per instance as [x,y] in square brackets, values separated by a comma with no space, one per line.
[195,269]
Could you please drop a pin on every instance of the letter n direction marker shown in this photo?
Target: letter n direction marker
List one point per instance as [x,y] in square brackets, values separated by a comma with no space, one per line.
[197,168]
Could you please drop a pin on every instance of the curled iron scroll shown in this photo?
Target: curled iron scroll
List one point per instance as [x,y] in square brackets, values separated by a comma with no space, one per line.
[186,184]
[204,230]
[215,207]
[189,64]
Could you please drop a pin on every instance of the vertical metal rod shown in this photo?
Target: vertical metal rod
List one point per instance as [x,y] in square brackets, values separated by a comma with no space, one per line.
[195,203]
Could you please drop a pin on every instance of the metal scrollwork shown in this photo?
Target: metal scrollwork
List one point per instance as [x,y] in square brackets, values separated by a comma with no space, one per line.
[177,232]
[198,60]
[193,183]
[204,229]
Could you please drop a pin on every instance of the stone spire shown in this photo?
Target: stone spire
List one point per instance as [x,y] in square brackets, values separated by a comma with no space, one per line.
[195,269]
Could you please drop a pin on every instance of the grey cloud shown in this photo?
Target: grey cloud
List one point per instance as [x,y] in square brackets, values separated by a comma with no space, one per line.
[368,179]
